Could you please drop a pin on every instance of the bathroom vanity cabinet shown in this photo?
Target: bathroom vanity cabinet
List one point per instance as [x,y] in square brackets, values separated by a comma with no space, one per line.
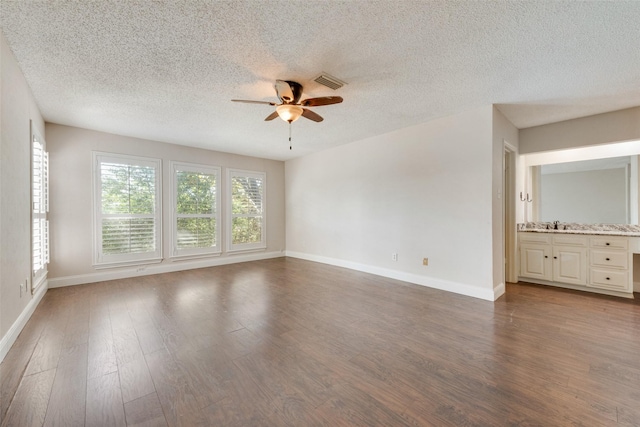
[596,263]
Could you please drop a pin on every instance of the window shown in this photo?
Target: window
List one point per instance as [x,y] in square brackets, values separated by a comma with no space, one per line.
[196,208]
[127,219]
[40,207]
[247,210]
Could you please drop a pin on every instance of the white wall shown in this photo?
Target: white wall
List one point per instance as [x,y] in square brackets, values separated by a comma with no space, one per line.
[17,108]
[588,197]
[71,201]
[423,191]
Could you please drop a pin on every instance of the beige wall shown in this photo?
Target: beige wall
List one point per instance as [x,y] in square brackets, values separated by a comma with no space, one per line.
[423,191]
[70,214]
[622,125]
[17,108]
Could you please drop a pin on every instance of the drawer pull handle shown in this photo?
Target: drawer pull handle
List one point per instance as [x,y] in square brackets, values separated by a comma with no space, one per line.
[608,278]
[608,259]
[555,257]
[607,243]
[546,256]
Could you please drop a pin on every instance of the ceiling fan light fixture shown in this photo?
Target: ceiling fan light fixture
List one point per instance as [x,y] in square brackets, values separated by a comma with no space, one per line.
[289,113]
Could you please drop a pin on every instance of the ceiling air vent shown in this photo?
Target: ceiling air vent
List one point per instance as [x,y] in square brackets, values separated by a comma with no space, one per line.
[329,81]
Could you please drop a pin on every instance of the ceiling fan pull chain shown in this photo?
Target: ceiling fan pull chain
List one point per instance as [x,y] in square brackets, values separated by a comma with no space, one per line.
[289,135]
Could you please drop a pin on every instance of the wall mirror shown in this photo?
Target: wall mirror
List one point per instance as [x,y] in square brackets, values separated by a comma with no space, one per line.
[586,192]
[588,185]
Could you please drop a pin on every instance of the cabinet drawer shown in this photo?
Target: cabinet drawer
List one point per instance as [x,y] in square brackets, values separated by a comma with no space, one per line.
[610,242]
[610,259]
[568,240]
[533,237]
[609,279]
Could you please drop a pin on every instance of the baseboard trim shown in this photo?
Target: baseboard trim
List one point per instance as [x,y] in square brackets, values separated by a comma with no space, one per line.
[576,287]
[12,334]
[498,291]
[168,267]
[430,282]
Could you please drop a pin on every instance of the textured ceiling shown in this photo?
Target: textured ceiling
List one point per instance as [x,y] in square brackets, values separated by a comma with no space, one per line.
[167,70]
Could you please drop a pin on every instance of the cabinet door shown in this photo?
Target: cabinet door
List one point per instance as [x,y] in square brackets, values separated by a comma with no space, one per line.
[570,265]
[535,261]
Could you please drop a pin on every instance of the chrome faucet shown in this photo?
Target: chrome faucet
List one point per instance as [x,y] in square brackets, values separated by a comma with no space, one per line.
[555,225]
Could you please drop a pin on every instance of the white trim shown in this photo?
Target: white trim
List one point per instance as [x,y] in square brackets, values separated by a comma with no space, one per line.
[244,251]
[633,190]
[12,334]
[528,280]
[193,253]
[101,260]
[510,239]
[157,269]
[137,262]
[37,277]
[36,284]
[179,258]
[230,247]
[498,291]
[445,285]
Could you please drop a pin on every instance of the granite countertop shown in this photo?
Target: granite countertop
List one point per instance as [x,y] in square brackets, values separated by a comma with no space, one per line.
[574,228]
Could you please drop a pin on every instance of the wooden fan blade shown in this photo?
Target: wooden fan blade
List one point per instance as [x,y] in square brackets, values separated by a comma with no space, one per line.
[323,100]
[311,115]
[285,94]
[246,101]
[271,116]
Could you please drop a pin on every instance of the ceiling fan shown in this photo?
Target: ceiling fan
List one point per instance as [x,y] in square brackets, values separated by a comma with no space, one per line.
[290,108]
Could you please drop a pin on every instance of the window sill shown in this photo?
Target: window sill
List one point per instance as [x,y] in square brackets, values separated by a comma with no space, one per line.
[38,281]
[178,258]
[138,262]
[246,250]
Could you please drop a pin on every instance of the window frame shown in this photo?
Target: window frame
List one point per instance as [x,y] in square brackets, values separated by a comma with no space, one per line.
[245,247]
[187,253]
[39,209]
[101,260]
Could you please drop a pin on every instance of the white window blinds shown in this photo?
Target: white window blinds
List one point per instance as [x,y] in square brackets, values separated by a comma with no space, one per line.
[247,206]
[196,209]
[40,207]
[127,219]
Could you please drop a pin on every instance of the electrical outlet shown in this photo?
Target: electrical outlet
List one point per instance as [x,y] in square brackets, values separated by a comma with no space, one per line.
[394,256]
[22,289]
[425,261]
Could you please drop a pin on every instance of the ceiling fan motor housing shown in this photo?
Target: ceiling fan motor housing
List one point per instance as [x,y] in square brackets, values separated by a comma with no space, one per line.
[296,90]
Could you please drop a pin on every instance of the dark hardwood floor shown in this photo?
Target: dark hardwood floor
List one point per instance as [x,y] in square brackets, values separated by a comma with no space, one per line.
[286,342]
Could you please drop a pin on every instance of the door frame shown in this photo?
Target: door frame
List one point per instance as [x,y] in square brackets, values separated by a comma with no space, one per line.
[510,234]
